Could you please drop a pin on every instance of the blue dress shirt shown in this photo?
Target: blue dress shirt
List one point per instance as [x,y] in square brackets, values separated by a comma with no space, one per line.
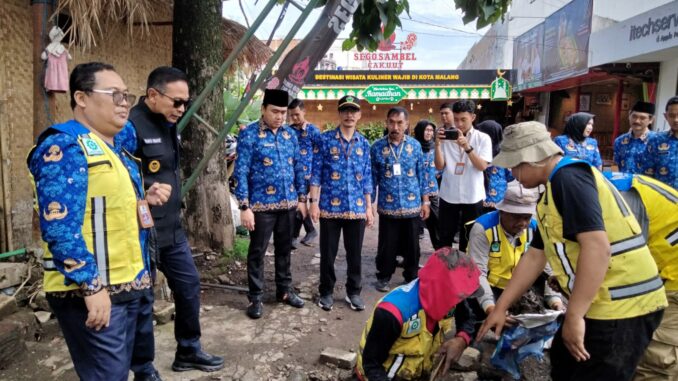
[268,172]
[342,170]
[400,192]
[630,153]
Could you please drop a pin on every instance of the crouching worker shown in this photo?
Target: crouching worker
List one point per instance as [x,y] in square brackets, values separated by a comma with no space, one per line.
[497,241]
[408,325]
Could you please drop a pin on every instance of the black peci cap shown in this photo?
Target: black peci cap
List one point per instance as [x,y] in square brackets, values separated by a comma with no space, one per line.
[276,97]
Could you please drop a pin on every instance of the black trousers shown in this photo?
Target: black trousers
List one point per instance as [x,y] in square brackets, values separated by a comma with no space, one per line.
[354,232]
[299,221]
[615,346]
[398,236]
[432,223]
[452,219]
[280,224]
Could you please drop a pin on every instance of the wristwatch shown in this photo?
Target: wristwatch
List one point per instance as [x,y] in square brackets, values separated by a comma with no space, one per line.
[302,199]
[469,149]
[312,200]
[426,203]
[244,207]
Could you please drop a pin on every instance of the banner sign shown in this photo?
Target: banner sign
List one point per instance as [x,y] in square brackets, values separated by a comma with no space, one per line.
[297,65]
[566,41]
[528,53]
[405,77]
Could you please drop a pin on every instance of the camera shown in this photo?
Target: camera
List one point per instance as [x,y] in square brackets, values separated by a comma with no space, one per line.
[451,134]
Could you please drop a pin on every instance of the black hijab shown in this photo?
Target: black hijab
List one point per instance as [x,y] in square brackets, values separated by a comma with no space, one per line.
[494,130]
[576,124]
[419,131]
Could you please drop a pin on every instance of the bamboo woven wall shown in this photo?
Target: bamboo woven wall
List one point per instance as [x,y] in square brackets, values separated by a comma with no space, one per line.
[16,90]
[133,58]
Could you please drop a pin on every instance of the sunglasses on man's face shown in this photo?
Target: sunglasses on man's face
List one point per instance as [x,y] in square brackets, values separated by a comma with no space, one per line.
[118,96]
[177,102]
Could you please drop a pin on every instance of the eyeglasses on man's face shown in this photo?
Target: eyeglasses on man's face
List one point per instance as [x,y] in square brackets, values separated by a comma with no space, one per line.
[177,102]
[118,96]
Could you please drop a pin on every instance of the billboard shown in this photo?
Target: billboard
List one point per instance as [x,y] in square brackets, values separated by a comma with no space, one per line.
[528,53]
[566,41]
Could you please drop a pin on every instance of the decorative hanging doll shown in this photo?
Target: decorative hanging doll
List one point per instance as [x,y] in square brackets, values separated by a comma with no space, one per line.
[57,56]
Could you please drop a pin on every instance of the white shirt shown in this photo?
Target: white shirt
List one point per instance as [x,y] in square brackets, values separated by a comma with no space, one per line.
[469,187]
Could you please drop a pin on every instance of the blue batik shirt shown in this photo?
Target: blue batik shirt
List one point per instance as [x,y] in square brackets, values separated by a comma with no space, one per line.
[662,151]
[399,193]
[66,181]
[342,170]
[308,137]
[586,150]
[431,173]
[497,180]
[269,174]
[630,152]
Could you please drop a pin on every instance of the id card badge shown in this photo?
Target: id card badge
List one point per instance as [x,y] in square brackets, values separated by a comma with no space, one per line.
[397,171]
[459,169]
[144,213]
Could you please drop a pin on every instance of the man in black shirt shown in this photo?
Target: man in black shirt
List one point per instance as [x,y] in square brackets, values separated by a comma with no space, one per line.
[592,242]
[154,119]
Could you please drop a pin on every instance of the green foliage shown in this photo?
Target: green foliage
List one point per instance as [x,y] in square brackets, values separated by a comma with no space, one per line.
[372,130]
[239,250]
[371,15]
[485,11]
[368,20]
[250,114]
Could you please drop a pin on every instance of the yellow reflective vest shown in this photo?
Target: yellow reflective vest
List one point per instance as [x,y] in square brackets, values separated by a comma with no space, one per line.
[110,227]
[661,207]
[632,286]
[503,257]
[411,356]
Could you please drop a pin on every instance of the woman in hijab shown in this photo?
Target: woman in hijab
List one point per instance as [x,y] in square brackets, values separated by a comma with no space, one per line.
[496,178]
[424,132]
[575,140]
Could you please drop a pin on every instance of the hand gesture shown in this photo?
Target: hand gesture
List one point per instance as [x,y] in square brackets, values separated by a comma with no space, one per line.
[158,194]
[425,211]
[315,212]
[98,310]
[496,318]
[301,207]
[247,219]
[369,216]
[462,142]
[573,337]
[452,350]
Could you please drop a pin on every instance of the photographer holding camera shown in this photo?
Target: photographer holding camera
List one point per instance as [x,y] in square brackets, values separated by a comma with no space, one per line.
[463,153]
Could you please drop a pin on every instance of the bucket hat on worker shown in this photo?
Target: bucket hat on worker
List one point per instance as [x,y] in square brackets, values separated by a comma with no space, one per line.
[526,142]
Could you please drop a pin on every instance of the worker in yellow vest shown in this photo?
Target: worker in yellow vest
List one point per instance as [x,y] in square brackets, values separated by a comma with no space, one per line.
[498,239]
[655,205]
[599,257]
[95,219]
[408,325]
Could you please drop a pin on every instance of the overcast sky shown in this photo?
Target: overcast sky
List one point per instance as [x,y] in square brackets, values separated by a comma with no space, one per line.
[442,38]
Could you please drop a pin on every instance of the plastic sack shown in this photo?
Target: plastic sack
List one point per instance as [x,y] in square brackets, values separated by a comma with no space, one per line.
[527,338]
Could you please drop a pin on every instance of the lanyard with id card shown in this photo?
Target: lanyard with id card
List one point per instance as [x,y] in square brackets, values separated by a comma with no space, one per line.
[397,168]
[460,166]
[144,214]
[143,209]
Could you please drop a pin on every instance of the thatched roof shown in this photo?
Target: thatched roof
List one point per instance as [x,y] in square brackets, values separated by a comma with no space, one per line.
[255,53]
[92,19]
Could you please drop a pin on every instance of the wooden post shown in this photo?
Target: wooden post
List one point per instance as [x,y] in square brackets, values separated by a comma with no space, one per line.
[43,103]
[617,110]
